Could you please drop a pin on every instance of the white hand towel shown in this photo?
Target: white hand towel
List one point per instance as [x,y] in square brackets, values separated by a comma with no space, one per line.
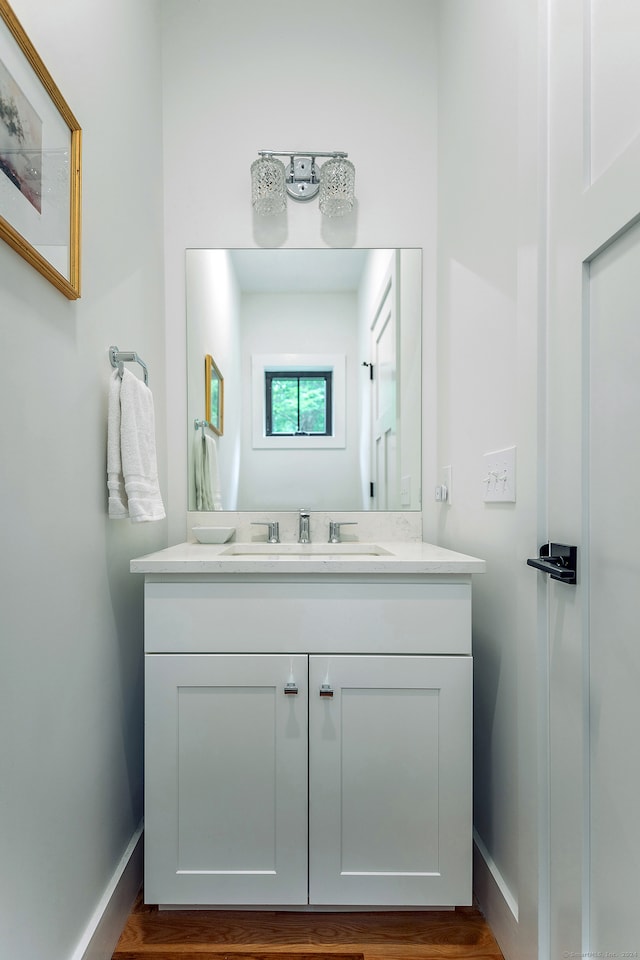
[138,450]
[198,451]
[118,508]
[212,474]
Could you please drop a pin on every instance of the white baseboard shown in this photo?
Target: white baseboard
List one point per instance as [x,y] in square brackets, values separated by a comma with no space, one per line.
[495,899]
[103,930]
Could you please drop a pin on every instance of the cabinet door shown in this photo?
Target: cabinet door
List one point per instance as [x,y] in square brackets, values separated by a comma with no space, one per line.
[390,780]
[226,780]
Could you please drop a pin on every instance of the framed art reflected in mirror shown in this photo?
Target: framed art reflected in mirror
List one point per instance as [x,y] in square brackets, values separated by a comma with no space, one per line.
[214,395]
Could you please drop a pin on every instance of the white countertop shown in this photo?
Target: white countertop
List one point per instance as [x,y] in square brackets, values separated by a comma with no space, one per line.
[401,557]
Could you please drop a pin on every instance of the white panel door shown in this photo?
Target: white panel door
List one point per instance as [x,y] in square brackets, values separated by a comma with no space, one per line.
[614,609]
[592,415]
[390,780]
[384,333]
[226,779]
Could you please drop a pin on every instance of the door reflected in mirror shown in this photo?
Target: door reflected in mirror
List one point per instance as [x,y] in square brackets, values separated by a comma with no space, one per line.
[337,334]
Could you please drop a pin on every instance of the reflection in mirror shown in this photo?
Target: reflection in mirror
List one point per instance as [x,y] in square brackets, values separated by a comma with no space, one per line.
[337,334]
[214,396]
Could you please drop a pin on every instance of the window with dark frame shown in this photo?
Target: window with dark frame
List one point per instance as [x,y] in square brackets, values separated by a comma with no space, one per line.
[299,403]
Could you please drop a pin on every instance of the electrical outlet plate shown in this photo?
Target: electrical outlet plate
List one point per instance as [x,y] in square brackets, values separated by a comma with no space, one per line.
[499,476]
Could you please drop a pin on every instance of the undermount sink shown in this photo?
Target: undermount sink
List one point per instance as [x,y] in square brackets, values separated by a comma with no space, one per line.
[305,550]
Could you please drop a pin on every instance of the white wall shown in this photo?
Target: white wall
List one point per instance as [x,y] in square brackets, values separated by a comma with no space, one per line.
[246,76]
[71,614]
[477,369]
[488,395]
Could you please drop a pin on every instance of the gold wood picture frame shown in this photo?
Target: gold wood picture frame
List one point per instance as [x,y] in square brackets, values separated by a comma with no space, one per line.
[214,395]
[40,162]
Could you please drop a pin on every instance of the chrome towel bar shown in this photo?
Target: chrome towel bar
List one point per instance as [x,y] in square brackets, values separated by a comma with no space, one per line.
[119,357]
[201,424]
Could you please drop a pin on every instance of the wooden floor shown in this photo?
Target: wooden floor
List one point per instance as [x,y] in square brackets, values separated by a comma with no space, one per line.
[151,934]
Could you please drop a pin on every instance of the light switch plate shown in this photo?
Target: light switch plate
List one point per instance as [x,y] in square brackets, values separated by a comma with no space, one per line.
[499,476]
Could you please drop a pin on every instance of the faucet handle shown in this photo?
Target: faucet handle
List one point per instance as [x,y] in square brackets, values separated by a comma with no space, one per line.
[335,526]
[273,532]
[304,529]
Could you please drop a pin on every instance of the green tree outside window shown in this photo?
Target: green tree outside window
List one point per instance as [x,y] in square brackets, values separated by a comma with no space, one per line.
[298,403]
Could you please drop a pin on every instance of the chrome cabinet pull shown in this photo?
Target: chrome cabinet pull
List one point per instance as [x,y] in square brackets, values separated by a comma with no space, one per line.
[291,688]
[326,691]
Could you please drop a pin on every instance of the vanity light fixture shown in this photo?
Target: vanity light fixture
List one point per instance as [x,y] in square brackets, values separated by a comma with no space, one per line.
[332,181]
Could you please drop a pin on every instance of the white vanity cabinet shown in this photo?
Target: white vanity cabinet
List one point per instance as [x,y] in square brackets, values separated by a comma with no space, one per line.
[308,740]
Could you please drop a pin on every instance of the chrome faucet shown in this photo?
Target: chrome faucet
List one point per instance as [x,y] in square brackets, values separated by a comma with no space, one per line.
[273,529]
[334,529]
[304,532]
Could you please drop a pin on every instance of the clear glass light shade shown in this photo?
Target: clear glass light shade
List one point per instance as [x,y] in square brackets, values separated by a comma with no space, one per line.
[337,183]
[267,185]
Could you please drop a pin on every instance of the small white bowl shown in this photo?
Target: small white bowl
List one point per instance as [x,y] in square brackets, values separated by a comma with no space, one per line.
[213,534]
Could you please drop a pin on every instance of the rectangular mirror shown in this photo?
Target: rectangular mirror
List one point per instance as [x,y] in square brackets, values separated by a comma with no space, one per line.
[337,333]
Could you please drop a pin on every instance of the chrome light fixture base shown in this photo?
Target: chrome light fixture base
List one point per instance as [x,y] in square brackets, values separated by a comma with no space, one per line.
[303,180]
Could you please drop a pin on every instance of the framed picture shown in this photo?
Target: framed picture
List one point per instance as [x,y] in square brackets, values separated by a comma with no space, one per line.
[40,162]
[214,395]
